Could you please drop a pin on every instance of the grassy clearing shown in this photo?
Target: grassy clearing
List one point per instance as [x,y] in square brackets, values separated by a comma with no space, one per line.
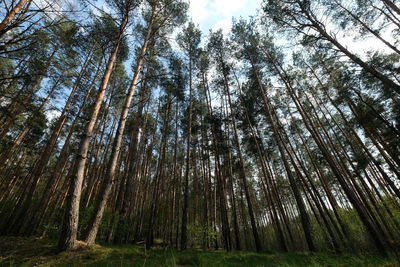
[37,252]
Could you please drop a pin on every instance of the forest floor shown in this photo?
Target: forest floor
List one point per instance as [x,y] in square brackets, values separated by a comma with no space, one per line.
[15,251]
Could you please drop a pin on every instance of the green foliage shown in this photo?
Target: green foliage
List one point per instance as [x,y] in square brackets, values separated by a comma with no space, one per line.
[37,124]
[103,32]
[197,233]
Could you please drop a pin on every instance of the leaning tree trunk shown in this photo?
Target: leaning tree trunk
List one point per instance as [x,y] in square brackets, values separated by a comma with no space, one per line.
[69,228]
[335,166]
[275,124]
[387,82]
[105,190]
[10,16]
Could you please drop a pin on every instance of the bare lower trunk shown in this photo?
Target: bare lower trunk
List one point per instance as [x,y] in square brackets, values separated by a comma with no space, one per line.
[69,229]
[94,223]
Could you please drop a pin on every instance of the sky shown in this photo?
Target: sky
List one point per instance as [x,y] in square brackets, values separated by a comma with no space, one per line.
[216,14]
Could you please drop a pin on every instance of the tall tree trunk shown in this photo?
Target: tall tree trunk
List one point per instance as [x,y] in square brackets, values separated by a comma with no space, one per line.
[105,190]
[187,168]
[335,167]
[69,228]
[242,173]
[305,220]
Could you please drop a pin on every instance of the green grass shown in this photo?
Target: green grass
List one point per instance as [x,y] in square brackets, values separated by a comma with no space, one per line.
[16,251]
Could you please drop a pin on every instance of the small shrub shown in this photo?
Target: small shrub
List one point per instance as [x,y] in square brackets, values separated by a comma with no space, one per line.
[188,260]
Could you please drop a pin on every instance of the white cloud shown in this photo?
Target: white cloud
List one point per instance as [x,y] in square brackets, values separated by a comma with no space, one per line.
[224,24]
[198,10]
[215,14]
[52,114]
[227,8]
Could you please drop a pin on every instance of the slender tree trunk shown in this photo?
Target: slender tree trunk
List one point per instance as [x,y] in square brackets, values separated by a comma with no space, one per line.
[354,199]
[187,168]
[305,220]
[158,179]
[373,32]
[242,172]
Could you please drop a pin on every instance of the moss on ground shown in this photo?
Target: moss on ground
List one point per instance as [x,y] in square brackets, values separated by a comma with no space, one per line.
[16,251]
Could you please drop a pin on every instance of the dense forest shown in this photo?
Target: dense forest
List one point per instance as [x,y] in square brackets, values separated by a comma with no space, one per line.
[121,122]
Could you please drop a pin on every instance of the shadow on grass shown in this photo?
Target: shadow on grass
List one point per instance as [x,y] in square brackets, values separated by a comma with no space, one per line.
[17,251]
